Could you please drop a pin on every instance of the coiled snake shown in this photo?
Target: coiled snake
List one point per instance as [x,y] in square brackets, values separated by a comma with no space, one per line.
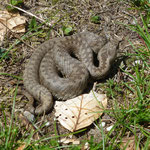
[61,67]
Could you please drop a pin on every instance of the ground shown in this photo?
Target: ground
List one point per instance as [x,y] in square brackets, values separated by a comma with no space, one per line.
[113,16]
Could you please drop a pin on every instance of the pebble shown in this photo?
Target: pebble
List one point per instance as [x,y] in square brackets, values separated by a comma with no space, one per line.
[109,128]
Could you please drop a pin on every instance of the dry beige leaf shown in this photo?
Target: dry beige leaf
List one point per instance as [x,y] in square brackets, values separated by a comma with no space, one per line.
[128,143]
[80,112]
[67,141]
[12,21]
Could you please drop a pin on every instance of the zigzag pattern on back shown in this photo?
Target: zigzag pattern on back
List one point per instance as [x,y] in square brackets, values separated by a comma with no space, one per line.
[73,57]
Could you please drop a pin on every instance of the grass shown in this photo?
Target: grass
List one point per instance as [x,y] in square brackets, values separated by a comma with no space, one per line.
[131,115]
[143,5]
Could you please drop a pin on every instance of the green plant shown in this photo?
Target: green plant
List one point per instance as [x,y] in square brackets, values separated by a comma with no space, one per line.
[67,30]
[95,19]
[33,24]
[143,32]
[2,53]
[14,3]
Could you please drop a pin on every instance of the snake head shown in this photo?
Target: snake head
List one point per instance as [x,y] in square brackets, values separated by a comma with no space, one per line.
[94,41]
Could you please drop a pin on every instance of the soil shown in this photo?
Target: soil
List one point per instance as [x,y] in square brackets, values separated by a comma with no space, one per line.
[76,14]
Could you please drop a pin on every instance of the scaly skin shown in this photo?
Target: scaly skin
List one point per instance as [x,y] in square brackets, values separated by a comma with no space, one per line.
[73,57]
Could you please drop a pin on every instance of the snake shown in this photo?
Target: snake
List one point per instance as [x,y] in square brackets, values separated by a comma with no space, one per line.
[61,67]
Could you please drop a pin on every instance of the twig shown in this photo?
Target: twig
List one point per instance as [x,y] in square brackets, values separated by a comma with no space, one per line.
[30,14]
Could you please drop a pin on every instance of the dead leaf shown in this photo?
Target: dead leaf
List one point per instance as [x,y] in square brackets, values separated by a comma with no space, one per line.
[80,112]
[67,141]
[12,21]
[128,143]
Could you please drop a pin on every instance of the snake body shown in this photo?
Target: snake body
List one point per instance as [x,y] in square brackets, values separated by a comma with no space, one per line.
[61,67]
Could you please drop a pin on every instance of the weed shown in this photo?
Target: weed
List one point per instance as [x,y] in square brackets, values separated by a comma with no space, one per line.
[14,3]
[95,19]
[2,53]
[67,30]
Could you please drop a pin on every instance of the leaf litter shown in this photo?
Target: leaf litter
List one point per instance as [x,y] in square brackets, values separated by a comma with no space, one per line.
[81,111]
[11,21]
